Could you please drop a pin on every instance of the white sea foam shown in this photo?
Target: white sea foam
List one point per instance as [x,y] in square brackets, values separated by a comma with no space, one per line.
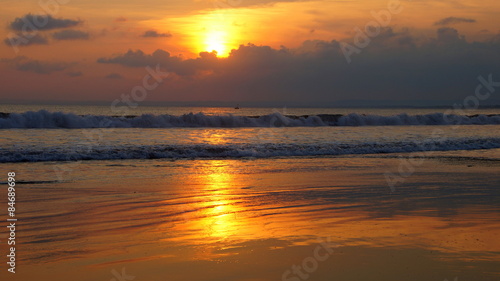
[45,119]
[28,154]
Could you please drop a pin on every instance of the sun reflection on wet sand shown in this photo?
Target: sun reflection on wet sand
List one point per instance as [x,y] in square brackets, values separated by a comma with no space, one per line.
[224,215]
[217,217]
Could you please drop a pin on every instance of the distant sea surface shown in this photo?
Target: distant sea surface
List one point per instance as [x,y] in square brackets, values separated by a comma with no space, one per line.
[243,111]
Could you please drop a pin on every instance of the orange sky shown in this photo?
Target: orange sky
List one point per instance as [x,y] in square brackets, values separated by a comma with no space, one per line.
[190,27]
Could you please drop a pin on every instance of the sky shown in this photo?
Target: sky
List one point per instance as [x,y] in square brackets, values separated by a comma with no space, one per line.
[254,52]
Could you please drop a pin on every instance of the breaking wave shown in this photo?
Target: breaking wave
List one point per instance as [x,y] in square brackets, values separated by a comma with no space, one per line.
[265,150]
[45,119]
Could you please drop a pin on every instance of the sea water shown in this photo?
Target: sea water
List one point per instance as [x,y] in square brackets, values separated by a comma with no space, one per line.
[94,133]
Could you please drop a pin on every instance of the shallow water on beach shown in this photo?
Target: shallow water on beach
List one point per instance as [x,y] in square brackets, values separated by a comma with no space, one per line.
[255,219]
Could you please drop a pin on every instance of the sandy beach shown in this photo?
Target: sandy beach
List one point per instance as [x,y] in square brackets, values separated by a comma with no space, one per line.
[331,218]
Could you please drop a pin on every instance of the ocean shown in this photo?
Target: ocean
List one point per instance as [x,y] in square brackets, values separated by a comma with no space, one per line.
[69,133]
[183,193]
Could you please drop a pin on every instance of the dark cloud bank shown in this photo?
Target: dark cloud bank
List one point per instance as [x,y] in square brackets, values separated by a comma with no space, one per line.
[395,67]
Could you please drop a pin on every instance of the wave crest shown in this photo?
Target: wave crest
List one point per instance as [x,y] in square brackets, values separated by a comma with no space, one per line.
[240,150]
[45,119]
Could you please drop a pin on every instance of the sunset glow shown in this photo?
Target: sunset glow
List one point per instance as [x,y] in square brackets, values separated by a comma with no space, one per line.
[75,60]
[217,41]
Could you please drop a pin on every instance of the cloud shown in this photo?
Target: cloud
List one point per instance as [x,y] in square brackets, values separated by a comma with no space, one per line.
[139,59]
[70,34]
[154,33]
[121,19]
[22,63]
[31,22]
[454,20]
[396,65]
[447,35]
[114,76]
[15,40]
[74,73]
[206,61]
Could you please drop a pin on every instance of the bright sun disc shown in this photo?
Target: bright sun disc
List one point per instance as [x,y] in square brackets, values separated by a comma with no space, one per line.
[216,41]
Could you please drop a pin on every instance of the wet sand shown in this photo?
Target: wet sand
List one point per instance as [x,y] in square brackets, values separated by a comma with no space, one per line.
[332,218]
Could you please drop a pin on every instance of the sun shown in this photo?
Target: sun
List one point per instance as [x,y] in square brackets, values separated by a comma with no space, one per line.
[217,40]
[219,30]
